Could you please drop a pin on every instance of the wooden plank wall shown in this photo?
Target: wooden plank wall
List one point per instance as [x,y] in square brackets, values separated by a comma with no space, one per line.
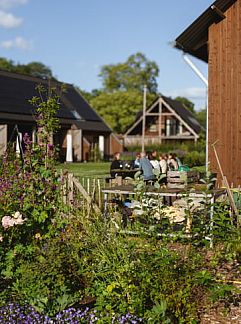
[225,94]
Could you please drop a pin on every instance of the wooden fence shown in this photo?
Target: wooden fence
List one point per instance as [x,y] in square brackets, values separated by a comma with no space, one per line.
[84,190]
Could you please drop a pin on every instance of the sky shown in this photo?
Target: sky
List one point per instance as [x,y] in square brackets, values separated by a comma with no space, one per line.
[76,37]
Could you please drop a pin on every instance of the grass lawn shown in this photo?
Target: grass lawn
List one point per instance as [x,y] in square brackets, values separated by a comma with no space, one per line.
[95,169]
[89,169]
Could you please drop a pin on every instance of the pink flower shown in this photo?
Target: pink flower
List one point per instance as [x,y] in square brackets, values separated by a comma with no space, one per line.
[7,221]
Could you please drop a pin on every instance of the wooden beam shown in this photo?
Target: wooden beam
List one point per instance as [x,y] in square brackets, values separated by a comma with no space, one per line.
[218,12]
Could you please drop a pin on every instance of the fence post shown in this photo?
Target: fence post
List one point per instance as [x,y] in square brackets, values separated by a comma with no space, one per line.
[70,189]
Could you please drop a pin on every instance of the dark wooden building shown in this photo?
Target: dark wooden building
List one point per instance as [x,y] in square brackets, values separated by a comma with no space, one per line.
[166,121]
[215,37]
[81,127]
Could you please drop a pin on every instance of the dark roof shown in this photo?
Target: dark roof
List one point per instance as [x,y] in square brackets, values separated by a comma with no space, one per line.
[184,113]
[194,39]
[16,90]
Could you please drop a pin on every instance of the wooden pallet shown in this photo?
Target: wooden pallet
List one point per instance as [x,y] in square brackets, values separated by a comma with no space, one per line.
[180,179]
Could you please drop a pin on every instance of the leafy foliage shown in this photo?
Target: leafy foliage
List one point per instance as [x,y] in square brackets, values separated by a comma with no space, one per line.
[133,74]
[36,69]
[119,108]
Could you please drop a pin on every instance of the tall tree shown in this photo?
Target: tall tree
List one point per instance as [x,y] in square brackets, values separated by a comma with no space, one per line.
[133,74]
[121,96]
[119,108]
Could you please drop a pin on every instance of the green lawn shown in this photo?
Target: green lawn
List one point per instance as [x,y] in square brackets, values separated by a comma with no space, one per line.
[89,169]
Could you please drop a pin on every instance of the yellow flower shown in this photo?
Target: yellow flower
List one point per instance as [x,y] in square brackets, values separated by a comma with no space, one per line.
[38,236]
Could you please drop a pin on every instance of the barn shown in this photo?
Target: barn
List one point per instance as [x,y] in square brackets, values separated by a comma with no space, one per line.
[215,38]
[81,127]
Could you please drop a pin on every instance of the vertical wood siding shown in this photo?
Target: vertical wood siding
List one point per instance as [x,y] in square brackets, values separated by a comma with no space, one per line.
[225,93]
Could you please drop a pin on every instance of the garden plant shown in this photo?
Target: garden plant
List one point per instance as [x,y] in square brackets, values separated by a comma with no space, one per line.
[59,264]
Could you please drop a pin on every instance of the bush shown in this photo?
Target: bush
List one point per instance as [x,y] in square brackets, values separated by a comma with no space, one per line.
[194,158]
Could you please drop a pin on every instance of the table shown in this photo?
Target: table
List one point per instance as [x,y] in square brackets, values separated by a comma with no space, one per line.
[125,172]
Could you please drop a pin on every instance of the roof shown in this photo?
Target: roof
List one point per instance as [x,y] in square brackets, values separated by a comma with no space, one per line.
[184,113]
[17,89]
[178,108]
[194,39]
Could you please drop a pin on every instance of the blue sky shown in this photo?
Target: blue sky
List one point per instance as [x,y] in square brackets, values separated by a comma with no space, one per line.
[76,37]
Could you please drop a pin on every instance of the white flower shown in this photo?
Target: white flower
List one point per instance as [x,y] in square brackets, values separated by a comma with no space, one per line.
[17,214]
[19,220]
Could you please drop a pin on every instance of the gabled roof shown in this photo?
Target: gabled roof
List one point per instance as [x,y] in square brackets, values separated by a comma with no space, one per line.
[184,113]
[17,89]
[178,108]
[194,39]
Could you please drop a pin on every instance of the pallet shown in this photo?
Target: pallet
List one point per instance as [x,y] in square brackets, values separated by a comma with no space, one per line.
[180,179]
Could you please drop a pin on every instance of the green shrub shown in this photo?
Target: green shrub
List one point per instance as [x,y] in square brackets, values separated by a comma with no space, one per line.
[194,158]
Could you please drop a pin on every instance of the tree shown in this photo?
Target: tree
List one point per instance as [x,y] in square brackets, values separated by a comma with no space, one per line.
[187,103]
[132,75]
[36,69]
[201,116]
[119,108]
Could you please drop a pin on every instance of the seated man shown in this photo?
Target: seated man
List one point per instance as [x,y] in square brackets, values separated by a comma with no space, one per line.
[146,167]
[116,164]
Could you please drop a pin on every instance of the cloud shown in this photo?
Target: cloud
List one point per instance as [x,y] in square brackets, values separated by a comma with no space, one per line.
[8,20]
[8,4]
[192,92]
[18,42]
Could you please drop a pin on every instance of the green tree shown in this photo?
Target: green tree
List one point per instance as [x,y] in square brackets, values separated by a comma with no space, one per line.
[36,69]
[122,94]
[119,108]
[187,103]
[133,74]
[7,65]
[201,116]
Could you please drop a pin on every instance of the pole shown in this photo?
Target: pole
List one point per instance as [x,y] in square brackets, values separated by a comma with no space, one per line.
[144,119]
[205,81]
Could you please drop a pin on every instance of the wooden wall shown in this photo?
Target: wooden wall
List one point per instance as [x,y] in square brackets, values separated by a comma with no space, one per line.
[225,93]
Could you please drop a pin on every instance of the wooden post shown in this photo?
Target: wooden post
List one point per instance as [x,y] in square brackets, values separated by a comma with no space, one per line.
[88,186]
[143,120]
[64,179]
[99,192]
[85,195]
[70,189]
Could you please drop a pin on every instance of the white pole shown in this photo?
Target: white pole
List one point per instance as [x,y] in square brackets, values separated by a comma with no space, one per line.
[69,150]
[144,119]
[19,143]
[195,69]
[202,77]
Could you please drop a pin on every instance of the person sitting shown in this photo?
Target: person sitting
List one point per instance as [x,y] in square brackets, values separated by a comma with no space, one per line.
[136,162]
[172,163]
[146,167]
[116,164]
[163,168]
[163,163]
[154,162]
[179,162]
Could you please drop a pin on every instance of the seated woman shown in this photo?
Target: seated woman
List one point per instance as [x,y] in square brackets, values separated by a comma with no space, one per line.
[116,164]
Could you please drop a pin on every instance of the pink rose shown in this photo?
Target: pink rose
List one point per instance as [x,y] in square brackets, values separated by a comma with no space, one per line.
[7,221]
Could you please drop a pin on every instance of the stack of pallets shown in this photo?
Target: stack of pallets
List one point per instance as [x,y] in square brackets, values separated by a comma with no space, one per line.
[180,179]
